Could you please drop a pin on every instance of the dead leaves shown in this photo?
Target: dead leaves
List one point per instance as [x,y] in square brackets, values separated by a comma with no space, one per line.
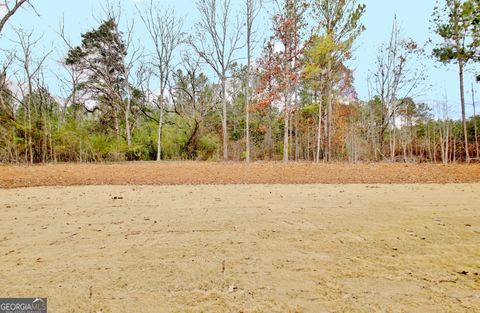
[234,173]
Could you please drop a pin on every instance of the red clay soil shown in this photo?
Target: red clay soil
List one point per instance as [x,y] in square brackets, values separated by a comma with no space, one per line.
[195,173]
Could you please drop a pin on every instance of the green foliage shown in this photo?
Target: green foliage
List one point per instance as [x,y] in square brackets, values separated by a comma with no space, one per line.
[456,23]
[339,22]
[310,111]
[175,138]
[101,60]
[471,128]
[144,142]
[311,73]
[208,147]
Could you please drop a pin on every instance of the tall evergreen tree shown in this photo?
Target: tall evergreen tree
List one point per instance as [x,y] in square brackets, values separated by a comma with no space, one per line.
[101,59]
[455,23]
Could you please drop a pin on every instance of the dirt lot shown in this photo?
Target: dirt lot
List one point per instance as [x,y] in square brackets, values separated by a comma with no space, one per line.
[177,173]
[248,248]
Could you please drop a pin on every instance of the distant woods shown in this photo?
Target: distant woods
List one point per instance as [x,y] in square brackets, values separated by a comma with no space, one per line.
[229,90]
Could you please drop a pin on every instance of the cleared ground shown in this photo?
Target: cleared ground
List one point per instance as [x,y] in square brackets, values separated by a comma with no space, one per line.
[178,173]
[248,248]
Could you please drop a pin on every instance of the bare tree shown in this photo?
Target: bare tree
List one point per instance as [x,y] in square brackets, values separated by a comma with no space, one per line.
[31,69]
[9,8]
[396,77]
[216,43]
[193,98]
[69,84]
[129,75]
[165,30]
[444,130]
[190,84]
[252,11]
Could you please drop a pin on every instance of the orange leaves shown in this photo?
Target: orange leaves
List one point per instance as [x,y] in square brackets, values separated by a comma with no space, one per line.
[174,173]
[280,70]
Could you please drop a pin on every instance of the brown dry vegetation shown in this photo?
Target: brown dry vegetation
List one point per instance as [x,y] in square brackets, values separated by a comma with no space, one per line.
[249,248]
[195,173]
[363,247]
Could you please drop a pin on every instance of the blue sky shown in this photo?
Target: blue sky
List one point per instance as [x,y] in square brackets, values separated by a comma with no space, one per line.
[413,17]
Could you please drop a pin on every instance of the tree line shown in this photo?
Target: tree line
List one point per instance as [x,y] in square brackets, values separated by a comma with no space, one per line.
[226,91]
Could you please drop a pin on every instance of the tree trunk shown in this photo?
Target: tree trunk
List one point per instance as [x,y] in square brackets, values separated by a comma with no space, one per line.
[247,99]
[30,144]
[434,146]
[290,134]
[297,131]
[285,131]
[224,119]
[160,132]
[319,130]
[117,125]
[52,148]
[462,101]
[45,134]
[127,122]
[308,144]
[447,139]
[393,144]
[430,156]
[269,134]
[329,113]
[247,122]
[191,146]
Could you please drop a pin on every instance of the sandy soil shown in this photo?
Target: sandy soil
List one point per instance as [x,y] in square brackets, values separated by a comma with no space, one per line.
[249,248]
[178,173]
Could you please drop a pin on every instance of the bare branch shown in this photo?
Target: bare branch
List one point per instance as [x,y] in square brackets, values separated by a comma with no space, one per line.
[11,10]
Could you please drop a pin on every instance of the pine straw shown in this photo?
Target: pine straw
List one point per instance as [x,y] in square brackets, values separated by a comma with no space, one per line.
[208,173]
